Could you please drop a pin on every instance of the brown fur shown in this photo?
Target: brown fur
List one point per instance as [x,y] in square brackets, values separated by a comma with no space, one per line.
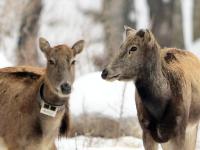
[22,126]
[167,89]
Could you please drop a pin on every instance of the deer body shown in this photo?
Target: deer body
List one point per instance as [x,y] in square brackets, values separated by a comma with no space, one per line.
[21,121]
[24,90]
[167,89]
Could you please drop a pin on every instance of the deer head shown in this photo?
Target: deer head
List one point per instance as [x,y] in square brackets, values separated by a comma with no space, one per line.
[60,65]
[131,57]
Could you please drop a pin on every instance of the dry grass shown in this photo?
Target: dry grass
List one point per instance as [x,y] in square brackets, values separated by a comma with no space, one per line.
[97,125]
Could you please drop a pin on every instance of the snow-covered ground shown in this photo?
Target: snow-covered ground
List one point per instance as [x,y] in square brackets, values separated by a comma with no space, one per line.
[90,143]
[92,94]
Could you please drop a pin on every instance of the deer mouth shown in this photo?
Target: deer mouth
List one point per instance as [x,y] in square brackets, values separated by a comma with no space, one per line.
[112,78]
[106,75]
[63,93]
[125,78]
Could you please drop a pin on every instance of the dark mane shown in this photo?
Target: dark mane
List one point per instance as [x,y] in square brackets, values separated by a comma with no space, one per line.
[22,72]
[29,75]
[171,53]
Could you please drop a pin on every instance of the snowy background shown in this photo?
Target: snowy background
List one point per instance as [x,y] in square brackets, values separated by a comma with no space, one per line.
[64,21]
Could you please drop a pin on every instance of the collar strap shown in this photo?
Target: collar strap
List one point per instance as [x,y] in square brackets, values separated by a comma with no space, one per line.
[46,107]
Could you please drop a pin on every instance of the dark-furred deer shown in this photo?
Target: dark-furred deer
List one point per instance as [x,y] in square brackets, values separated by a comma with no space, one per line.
[167,92]
[34,101]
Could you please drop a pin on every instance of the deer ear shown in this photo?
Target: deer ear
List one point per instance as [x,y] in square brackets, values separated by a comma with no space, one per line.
[78,47]
[141,33]
[128,30]
[44,45]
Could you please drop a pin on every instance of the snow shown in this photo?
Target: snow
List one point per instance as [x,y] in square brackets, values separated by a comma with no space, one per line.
[94,5]
[90,143]
[187,22]
[4,60]
[92,94]
[142,15]
[195,48]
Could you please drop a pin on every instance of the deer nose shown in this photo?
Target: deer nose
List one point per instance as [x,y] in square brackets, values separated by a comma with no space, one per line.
[66,88]
[104,73]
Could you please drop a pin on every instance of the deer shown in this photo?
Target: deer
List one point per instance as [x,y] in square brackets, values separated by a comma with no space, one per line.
[34,101]
[167,94]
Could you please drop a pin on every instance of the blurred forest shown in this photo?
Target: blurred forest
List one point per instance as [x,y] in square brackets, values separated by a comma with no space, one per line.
[100,23]
[165,20]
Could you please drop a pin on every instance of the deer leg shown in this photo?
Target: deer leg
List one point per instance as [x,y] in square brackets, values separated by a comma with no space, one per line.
[148,141]
[3,145]
[183,143]
[53,147]
[171,145]
[174,144]
[191,137]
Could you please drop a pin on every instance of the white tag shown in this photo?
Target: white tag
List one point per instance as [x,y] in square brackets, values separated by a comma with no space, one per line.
[48,111]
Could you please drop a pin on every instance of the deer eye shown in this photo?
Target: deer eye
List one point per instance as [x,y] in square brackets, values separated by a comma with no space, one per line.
[51,61]
[73,62]
[132,49]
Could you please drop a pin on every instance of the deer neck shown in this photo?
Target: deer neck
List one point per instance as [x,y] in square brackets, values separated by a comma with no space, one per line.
[152,86]
[52,97]
[50,125]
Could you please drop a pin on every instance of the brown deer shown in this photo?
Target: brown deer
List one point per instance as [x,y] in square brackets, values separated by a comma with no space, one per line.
[167,89]
[34,101]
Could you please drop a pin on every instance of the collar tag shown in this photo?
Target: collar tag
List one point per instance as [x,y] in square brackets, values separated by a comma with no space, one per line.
[48,110]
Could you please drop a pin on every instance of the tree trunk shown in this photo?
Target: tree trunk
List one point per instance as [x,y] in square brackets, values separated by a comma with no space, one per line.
[115,16]
[177,28]
[27,47]
[10,14]
[113,26]
[167,22]
[196,20]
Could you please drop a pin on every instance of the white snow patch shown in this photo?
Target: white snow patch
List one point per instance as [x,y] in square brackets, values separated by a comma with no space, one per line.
[4,60]
[187,8]
[142,15]
[195,48]
[90,143]
[94,95]
[94,5]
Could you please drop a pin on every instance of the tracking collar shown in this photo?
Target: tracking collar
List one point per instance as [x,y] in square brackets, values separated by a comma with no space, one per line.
[47,108]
